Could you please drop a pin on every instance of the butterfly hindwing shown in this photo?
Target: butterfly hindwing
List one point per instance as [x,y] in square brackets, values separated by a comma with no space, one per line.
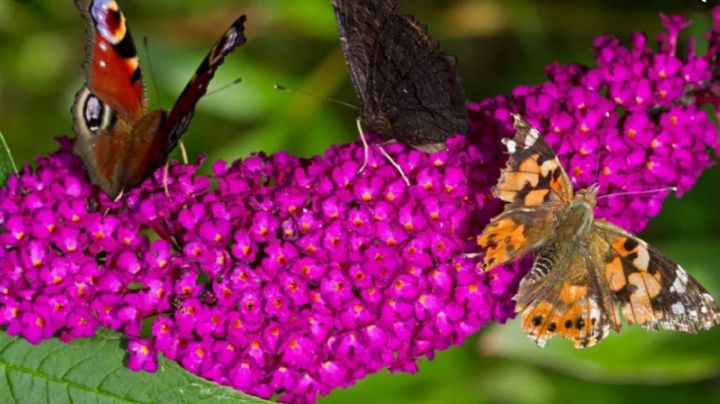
[560,296]
[408,88]
[179,117]
[650,288]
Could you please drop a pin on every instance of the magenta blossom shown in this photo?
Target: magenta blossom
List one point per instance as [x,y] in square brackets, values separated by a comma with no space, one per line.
[282,275]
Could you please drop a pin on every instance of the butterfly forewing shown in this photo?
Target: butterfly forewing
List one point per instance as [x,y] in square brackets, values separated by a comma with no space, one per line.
[111,66]
[514,233]
[179,117]
[533,175]
[537,189]
[108,106]
[408,88]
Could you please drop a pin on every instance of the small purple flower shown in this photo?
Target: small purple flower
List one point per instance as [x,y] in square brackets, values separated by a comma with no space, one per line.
[142,356]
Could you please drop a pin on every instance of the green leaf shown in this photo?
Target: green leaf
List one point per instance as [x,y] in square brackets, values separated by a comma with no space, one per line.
[635,355]
[7,165]
[93,370]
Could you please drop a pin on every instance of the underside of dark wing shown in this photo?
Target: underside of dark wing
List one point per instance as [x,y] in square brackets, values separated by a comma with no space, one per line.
[409,88]
[182,112]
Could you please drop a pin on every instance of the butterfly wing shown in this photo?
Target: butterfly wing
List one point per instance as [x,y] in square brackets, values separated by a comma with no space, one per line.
[108,106]
[562,296]
[651,289]
[408,88]
[536,188]
[574,290]
[182,112]
[112,69]
[533,175]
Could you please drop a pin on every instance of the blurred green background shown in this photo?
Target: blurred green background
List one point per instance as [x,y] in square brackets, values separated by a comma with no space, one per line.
[294,42]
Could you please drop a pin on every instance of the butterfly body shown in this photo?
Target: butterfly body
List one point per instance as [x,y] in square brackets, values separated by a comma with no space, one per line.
[120,142]
[586,271]
[408,88]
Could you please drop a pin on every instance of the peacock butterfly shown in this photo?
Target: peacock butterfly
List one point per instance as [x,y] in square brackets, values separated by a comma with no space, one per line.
[120,142]
[409,89]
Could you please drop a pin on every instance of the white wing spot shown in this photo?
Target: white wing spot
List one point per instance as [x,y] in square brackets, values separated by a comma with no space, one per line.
[511,145]
[678,308]
[680,283]
[548,166]
[532,136]
[229,41]
[643,259]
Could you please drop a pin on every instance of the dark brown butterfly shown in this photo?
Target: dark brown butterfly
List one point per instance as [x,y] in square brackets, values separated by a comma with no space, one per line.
[408,88]
[120,142]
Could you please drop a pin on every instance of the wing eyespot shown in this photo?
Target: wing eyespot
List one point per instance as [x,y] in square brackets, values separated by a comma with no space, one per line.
[96,115]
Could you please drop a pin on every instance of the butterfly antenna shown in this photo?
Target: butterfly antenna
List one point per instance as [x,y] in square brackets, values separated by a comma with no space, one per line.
[282,88]
[648,191]
[226,86]
[151,70]
[598,162]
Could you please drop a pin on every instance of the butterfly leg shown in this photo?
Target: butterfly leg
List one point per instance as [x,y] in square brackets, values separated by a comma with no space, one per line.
[166,173]
[119,196]
[183,152]
[394,164]
[366,147]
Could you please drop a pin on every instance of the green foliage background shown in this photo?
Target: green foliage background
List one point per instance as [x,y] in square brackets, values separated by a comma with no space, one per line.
[294,42]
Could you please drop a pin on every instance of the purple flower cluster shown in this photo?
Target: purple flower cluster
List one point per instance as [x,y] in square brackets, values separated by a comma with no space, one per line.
[633,123]
[273,275]
[278,275]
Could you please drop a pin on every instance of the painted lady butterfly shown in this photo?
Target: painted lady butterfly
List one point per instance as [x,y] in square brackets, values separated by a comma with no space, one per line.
[584,267]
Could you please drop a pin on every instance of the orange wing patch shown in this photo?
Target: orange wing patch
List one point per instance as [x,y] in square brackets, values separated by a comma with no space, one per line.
[513,182]
[633,250]
[529,182]
[501,239]
[615,275]
[638,286]
[576,318]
